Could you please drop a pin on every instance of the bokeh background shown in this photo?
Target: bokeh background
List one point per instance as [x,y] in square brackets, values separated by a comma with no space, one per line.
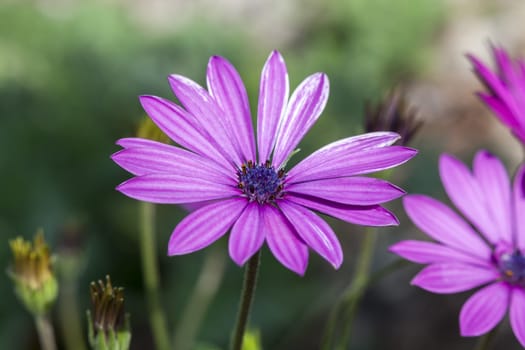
[70,74]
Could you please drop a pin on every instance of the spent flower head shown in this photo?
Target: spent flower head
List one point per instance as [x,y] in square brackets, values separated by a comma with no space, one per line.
[32,273]
[108,324]
[239,180]
[393,114]
[489,254]
[506,90]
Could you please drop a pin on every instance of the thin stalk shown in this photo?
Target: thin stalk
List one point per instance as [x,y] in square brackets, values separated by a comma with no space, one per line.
[45,331]
[351,296]
[150,273]
[71,327]
[206,287]
[486,340]
[247,294]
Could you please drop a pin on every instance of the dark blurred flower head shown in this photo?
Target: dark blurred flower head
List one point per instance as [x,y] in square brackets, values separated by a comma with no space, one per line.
[393,114]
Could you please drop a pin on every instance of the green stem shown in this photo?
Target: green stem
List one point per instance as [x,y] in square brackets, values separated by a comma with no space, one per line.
[247,294]
[150,273]
[485,341]
[206,287]
[352,295]
[45,332]
[71,327]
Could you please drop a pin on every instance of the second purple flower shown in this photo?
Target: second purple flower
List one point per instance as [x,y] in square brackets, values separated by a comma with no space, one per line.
[251,192]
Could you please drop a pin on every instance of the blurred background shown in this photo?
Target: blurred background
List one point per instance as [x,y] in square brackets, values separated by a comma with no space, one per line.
[70,74]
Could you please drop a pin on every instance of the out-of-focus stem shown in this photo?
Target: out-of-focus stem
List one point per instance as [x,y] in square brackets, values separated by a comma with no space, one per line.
[206,287]
[347,306]
[247,294]
[70,319]
[485,341]
[45,331]
[150,272]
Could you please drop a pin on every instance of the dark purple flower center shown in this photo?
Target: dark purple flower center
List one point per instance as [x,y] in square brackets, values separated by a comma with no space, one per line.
[261,182]
[512,267]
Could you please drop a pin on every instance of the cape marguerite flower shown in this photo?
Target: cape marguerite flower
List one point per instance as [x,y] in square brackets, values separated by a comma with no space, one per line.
[251,192]
[492,257]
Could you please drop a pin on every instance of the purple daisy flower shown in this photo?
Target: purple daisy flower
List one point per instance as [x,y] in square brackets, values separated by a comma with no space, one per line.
[463,259]
[216,167]
[506,96]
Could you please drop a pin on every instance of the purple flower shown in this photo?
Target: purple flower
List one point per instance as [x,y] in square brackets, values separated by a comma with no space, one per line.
[216,167]
[490,253]
[506,95]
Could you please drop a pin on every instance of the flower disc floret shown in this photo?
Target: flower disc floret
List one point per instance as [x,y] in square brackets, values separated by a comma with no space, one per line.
[260,182]
[512,267]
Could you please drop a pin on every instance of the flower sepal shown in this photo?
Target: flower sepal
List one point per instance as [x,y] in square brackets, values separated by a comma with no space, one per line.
[109,340]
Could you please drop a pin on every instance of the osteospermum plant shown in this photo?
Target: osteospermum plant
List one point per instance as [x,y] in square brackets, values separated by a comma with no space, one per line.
[240,182]
[489,255]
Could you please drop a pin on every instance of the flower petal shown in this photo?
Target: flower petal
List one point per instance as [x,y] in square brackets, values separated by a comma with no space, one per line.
[369,215]
[314,231]
[445,278]
[422,252]
[349,190]
[204,226]
[464,191]
[247,235]
[305,106]
[484,310]
[519,207]
[517,314]
[175,189]
[441,223]
[161,158]
[226,86]
[208,114]
[273,94]
[348,163]
[283,241]
[179,125]
[494,180]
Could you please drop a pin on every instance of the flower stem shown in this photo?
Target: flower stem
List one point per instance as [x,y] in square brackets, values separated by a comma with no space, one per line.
[247,294]
[150,273]
[203,293]
[485,341]
[45,331]
[70,324]
[352,295]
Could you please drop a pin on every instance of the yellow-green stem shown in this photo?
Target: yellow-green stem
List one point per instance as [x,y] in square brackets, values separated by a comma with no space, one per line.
[70,319]
[247,294]
[206,287]
[150,273]
[486,340]
[45,331]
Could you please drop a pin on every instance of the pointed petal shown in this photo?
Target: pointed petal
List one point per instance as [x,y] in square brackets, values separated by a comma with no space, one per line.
[179,125]
[207,113]
[517,314]
[464,191]
[247,234]
[273,95]
[175,189]
[519,207]
[341,164]
[494,180]
[441,223]
[204,226]
[283,241]
[446,278]
[314,231]
[161,158]
[305,106]
[226,86]
[484,310]
[500,109]
[422,252]
[349,190]
[370,215]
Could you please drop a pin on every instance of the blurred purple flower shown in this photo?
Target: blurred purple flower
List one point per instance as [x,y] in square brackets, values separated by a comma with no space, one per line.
[464,259]
[506,95]
[217,169]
